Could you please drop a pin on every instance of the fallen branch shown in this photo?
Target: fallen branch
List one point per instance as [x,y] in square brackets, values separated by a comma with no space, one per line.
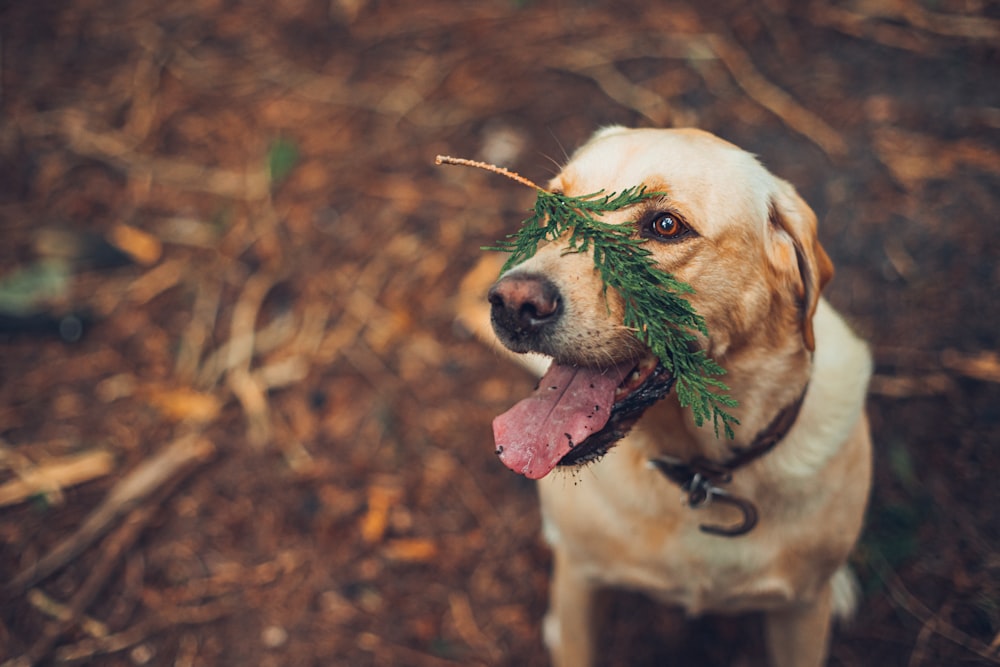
[973,28]
[196,334]
[909,386]
[983,366]
[776,100]
[906,601]
[603,72]
[128,493]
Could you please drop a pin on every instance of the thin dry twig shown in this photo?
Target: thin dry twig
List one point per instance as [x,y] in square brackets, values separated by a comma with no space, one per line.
[973,28]
[243,325]
[464,162]
[54,475]
[250,392]
[157,281]
[930,384]
[858,25]
[249,389]
[984,366]
[196,334]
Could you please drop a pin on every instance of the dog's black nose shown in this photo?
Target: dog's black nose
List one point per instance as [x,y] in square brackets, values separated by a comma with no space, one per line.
[524,304]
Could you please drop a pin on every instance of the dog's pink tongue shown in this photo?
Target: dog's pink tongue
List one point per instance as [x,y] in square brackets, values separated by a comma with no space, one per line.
[569,404]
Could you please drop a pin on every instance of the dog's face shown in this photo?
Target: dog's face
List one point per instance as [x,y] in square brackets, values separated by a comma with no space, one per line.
[741,237]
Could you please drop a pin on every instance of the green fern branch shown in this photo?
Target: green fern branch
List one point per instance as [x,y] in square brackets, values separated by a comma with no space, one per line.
[655,307]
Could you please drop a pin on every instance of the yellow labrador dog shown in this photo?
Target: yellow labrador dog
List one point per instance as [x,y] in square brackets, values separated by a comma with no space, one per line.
[763,522]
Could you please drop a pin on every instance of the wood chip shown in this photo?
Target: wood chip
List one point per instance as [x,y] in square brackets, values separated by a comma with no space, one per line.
[410,550]
[374,523]
[143,248]
[183,403]
[983,366]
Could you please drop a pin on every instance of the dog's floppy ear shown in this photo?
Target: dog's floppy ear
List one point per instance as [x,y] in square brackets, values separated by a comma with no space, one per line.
[791,218]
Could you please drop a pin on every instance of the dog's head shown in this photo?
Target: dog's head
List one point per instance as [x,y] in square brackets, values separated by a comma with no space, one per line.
[741,237]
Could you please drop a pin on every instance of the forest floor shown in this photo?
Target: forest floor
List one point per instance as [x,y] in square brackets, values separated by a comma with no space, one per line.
[238,423]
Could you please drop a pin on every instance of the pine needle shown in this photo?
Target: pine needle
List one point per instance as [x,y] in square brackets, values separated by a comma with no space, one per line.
[655,307]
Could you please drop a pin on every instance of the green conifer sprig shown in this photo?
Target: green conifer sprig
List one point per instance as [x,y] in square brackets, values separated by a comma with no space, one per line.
[655,307]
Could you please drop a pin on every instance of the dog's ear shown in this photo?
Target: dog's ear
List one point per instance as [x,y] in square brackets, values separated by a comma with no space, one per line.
[791,218]
[608,131]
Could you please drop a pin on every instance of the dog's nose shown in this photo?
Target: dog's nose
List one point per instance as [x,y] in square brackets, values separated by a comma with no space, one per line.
[524,304]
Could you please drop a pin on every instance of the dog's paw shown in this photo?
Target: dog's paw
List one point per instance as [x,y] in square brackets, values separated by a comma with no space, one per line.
[846,594]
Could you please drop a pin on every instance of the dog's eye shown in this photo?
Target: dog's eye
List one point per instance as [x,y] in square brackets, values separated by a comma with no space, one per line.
[666,226]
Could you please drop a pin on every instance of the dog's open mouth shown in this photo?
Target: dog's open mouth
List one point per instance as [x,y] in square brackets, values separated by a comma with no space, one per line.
[577,414]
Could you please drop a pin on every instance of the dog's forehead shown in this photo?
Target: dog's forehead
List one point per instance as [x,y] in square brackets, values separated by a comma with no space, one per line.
[687,164]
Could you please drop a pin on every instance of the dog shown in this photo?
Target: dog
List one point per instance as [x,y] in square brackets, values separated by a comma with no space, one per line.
[761,522]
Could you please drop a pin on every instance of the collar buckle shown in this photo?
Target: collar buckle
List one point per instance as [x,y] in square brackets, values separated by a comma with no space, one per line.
[701,478]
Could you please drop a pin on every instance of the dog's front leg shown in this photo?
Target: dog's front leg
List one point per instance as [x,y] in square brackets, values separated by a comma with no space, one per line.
[799,636]
[569,624]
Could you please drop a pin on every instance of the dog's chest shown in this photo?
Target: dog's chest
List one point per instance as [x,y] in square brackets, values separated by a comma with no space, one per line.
[617,544]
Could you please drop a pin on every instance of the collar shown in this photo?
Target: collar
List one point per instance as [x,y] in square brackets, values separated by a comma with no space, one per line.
[701,478]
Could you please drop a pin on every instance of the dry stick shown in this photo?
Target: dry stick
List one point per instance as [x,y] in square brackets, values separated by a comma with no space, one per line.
[247,389]
[983,366]
[907,386]
[463,162]
[56,474]
[144,99]
[974,28]
[776,100]
[199,329]
[136,486]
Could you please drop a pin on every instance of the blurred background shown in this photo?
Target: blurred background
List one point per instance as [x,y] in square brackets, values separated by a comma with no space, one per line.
[238,423]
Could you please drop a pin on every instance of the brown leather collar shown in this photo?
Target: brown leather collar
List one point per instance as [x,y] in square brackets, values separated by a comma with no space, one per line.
[701,478]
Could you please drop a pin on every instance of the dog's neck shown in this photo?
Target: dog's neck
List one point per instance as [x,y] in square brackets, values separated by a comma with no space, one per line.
[765,390]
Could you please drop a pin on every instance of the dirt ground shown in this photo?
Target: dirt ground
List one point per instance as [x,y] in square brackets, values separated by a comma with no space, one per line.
[238,424]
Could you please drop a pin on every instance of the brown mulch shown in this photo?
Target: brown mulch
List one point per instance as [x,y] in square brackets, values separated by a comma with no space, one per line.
[238,424]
